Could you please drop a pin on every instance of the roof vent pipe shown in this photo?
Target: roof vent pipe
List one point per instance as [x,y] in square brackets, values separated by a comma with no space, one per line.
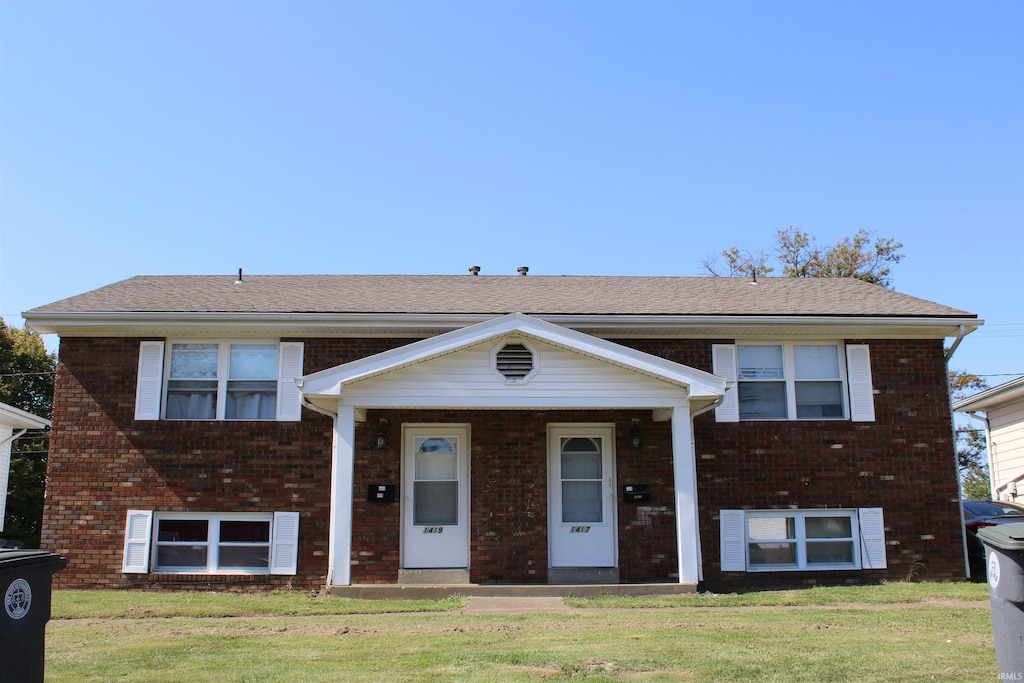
[239,280]
[523,270]
[474,270]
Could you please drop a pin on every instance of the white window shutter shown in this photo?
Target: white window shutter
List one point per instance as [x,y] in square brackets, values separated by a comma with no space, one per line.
[284,550]
[858,374]
[723,363]
[137,533]
[149,385]
[872,538]
[734,540]
[289,364]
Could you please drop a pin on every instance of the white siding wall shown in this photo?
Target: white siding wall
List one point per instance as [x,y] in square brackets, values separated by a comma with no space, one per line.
[466,378]
[1007,433]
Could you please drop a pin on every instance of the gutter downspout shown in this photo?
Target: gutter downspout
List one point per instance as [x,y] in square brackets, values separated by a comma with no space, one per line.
[13,437]
[334,449]
[956,459]
[956,342]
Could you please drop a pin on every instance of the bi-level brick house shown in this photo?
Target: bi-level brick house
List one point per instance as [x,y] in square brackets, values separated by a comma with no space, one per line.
[352,430]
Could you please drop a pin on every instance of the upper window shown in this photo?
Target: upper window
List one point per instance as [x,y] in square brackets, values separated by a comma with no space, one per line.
[222,381]
[784,381]
[214,380]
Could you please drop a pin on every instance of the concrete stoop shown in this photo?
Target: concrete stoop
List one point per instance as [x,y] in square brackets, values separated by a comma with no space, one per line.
[422,591]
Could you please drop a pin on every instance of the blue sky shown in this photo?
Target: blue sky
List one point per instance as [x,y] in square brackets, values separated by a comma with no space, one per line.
[574,137]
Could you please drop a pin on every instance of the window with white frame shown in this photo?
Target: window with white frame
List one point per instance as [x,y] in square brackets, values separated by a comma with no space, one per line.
[211,543]
[779,381]
[794,381]
[218,380]
[807,540]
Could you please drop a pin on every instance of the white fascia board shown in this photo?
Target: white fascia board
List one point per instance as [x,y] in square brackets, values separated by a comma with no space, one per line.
[330,381]
[700,383]
[996,397]
[21,419]
[330,324]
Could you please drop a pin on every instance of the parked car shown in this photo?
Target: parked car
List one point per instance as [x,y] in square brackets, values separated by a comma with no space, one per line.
[981,513]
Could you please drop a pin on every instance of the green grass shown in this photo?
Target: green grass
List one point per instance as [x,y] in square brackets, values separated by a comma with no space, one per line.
[882,594]
[78,604]
[907,634]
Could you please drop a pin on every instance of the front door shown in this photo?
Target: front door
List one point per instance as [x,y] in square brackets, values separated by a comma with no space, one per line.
[435,496]
[581,482]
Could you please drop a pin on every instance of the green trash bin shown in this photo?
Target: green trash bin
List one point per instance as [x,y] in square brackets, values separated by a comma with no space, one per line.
[25,577]
[1004,559]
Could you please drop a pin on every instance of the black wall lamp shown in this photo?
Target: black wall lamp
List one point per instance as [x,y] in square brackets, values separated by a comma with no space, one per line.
[381,442]
[634,434]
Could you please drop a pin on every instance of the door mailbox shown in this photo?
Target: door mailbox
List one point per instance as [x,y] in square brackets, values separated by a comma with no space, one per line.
[636,493]
[381,493]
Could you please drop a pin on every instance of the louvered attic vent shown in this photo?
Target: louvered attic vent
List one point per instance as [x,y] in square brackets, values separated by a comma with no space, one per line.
[514,361]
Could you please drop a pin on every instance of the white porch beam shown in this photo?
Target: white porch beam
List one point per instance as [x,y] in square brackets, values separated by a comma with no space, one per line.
[342,473]
[684,469]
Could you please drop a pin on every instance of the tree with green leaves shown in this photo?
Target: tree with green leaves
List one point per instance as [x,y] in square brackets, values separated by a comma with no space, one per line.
[798,255]
[970,441]
[26,382]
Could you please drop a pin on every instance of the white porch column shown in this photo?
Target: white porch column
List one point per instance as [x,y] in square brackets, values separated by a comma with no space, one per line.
[684,468]
[340,544]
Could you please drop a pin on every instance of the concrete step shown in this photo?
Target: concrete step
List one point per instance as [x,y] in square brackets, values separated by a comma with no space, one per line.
[438,591]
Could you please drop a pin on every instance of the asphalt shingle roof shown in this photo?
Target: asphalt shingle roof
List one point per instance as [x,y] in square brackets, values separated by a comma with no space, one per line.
[497,294]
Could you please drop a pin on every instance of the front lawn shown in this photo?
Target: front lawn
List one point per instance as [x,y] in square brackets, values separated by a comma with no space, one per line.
[906,632]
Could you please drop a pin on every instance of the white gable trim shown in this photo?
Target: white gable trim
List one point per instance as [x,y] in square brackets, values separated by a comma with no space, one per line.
[693,383]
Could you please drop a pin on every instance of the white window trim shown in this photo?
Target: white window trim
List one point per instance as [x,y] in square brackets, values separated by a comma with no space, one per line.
[854,376]
[212,541]
[867,529]
[141,533]
[155,368]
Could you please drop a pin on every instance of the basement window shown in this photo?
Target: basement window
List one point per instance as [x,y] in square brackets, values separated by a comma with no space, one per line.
[514,361]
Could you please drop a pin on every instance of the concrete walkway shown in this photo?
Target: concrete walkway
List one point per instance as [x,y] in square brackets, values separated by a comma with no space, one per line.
[495,605]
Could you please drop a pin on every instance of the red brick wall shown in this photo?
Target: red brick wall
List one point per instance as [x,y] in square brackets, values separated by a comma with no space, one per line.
[103,462]
[509,496]
[903,462]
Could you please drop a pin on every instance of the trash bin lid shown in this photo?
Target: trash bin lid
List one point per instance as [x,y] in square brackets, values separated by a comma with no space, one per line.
[1004,536]
[12,560]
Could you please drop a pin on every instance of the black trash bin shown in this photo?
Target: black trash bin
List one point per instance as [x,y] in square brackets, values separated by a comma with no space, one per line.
[25,577]
[1004,558]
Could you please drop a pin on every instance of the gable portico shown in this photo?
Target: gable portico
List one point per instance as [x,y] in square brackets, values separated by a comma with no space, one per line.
[515,363]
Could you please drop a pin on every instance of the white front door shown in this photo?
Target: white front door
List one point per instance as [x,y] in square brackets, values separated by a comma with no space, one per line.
[581,481]
[435,496]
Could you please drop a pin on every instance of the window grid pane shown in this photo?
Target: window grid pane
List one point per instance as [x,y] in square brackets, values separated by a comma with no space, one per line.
[437,502]
[213,545]
[760,362]
[819,400]
[801,541]
[816,362]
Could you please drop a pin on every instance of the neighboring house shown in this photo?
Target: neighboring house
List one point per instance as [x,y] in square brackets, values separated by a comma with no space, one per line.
[312,431]
[1003,408]
[14,422]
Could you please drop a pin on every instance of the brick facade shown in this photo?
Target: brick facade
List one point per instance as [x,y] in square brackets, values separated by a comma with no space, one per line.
[103,462]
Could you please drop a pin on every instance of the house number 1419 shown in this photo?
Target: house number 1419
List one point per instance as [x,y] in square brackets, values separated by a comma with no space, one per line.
[433,529]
